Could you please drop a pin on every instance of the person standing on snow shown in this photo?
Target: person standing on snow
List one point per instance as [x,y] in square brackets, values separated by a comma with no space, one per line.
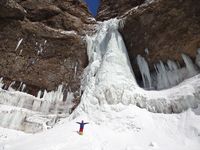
[82,124]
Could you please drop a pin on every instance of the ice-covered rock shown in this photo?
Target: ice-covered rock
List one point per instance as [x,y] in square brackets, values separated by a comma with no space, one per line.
[27,113]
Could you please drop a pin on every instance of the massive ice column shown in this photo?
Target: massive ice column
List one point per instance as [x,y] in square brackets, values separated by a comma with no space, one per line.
[109,79]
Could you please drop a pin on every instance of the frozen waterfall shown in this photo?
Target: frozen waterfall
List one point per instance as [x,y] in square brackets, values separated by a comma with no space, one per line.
[109,79]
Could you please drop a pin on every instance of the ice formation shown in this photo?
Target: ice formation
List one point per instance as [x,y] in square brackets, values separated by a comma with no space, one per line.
[198,57]
[146,50]
[144,69]
[165,75]
[24,112]
[18,44]
[191,71]
[109,78]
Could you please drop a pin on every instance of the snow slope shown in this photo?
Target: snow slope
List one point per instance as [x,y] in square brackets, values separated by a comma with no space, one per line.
[109,104]
[129,128]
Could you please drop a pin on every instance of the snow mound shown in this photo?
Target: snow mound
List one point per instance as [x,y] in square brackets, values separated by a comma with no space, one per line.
[131,128]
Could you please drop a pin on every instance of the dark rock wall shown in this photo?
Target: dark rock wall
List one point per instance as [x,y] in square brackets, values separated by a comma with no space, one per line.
[114,8]
[48,55]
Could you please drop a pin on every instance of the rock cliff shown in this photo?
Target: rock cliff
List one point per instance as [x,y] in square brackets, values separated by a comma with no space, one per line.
[41,43]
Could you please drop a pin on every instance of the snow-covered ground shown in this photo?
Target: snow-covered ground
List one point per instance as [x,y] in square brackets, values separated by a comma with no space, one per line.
[109,105]
[128,128]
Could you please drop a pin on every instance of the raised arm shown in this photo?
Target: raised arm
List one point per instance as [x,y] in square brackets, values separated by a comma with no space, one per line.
[86,123]
[78,122]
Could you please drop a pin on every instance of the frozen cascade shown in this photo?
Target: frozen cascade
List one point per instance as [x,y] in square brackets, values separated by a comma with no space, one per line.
[109,79]
[144,70]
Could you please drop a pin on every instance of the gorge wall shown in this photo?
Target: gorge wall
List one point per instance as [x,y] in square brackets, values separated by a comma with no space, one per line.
[41,43]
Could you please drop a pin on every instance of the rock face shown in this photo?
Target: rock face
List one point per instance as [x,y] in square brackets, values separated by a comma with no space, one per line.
[11,9]
[41,43]
[114,8]
[167,28]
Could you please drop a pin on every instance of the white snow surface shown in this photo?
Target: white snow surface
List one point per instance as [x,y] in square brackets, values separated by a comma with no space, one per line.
[109,105]
[126,128]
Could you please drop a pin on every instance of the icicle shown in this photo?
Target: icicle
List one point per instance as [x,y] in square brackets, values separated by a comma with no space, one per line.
[39,94]
[23,87]
[172,65]
[19,88]
[20,41]
[146,50]
[45,93]
[20,51]
[162,78]
[45,106]
[75,69]
[45,42]
[36,105]
[197,61]
[1,82]
[52,97]
[10,86]
[173,75]
[198,51]
[144,70]
[189,65]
